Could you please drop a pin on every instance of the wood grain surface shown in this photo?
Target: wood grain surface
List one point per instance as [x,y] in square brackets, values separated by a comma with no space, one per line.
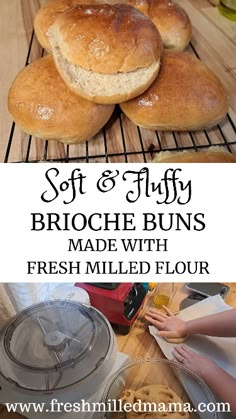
[139,343]
[214,41]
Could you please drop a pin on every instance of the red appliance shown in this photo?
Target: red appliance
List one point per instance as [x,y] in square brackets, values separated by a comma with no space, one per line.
[119,302]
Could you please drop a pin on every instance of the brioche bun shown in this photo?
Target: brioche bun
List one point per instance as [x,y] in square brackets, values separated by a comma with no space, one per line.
[47,14]
[210,155]
[185,96]
[105,53]
[170,19]
[42,105]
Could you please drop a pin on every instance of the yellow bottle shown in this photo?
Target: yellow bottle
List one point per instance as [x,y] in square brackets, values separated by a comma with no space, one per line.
[151,285]
[163,294]
[228,9]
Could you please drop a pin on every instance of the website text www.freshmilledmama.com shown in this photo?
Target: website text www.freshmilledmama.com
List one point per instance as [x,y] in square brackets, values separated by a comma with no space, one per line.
[116,406]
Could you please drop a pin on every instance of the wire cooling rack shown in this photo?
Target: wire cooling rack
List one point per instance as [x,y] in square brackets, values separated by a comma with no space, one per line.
[120,141]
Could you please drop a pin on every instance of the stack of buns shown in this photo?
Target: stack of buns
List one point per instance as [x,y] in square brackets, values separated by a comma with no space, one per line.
[107,52]
[170,19]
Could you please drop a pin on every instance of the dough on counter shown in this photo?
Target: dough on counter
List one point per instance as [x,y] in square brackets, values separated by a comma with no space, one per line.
[176,340]
[153,393]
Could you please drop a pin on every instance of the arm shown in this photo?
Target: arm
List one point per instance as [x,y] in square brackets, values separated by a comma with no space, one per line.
[223,385]
[219,381]
[220,324]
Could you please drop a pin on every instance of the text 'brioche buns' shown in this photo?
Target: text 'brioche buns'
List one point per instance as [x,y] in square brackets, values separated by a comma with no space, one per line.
[185,96]
[211,155]
[105,53]
[47,15]
[42,105]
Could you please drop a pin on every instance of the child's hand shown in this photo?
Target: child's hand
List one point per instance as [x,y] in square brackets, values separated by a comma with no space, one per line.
[169,326]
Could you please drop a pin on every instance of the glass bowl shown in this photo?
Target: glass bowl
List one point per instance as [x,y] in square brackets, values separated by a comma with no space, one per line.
[137,374]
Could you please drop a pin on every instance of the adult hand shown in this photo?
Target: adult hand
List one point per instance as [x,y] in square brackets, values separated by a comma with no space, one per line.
[199,364]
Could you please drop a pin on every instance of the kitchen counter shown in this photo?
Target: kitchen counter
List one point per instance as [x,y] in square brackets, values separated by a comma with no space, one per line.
[139,343]
[214,41]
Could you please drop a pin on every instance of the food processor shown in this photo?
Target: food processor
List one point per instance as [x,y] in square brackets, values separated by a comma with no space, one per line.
[61,350]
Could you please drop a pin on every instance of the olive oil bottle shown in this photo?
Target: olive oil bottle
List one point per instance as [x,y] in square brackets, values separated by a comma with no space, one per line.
[228,9]
[163,294]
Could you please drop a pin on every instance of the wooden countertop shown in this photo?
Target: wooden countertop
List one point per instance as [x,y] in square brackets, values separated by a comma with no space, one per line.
[214,41]
[139,343]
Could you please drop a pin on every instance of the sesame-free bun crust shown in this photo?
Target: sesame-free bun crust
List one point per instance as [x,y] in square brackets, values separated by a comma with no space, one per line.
[106,54]
[47,15]
[170,19]
[42,105]
[185,96]
[210,155]
[107,39]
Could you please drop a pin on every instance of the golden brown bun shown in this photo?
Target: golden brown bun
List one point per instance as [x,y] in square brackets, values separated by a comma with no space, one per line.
[170,19]
[115,61]
[107,39]
[211,155]
[47,15]
[42,105]
[185,96]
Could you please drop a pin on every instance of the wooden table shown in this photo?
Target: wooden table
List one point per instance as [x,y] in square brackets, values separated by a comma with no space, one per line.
[139,343]
[214,41]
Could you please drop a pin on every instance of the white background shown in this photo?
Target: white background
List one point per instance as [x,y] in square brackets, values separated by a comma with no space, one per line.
[213,193]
